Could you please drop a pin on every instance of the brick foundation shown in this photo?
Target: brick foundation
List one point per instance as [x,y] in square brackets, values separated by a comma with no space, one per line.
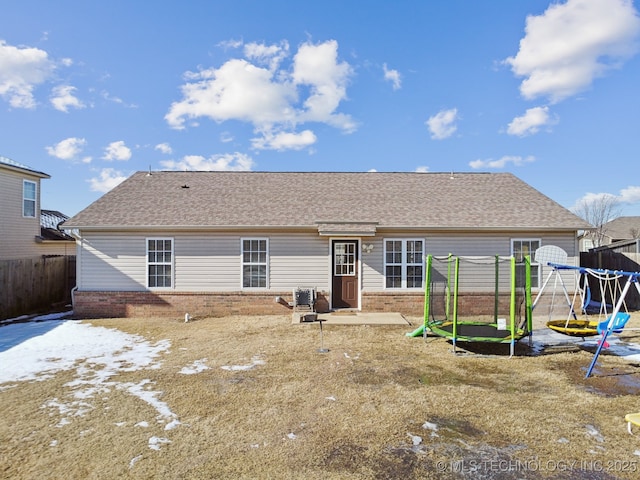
[412,304]
[176,304]
[218,304]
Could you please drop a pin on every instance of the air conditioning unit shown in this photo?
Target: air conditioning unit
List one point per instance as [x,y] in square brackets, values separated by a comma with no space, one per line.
[304,303]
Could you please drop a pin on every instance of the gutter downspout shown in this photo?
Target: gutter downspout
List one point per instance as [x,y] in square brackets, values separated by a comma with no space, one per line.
[79,240]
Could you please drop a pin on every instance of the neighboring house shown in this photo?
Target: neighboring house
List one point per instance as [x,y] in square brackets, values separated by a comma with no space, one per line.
[621,228]
[28,231]
[621,231]
[20,209]
[220,243]
[52,239]
[23,235]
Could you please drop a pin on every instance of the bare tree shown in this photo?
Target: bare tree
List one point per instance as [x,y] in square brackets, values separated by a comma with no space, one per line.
[598,210]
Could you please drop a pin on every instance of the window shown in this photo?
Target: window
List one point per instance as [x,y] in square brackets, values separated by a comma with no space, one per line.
[159,262]
[254,262]
[29,199]
[344,259]
[404,263]
[520,248]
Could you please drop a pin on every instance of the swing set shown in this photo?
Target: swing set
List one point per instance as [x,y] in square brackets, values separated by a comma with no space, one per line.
[586,320]
[611,309]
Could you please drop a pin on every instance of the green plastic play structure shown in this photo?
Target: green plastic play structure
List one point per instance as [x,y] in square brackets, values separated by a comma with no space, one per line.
[457,298]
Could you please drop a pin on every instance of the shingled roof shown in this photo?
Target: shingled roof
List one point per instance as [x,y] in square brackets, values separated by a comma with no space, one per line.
[622,228]
[20,167]
[329,200]
[49,226]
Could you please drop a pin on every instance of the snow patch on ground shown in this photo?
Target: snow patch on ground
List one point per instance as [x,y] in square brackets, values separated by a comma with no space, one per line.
[196,367]
[256,360]
[38,349]
[156,442]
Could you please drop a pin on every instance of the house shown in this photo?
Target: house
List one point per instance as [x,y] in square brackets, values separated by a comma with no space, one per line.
[31,278]
[621,234]
[53,240]
[220,243]
[27,230]
[621,228]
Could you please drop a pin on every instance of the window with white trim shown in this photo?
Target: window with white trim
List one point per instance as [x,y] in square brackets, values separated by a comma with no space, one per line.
[520,248]
[403,263]
[29,195]
[255,255]
[160,262]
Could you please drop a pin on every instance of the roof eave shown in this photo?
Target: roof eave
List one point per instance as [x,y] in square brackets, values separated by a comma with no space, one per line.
[27,171]
[220,228]
[182,228]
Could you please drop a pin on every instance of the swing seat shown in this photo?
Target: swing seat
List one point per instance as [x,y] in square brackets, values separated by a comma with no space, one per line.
[632,418]
[618,323]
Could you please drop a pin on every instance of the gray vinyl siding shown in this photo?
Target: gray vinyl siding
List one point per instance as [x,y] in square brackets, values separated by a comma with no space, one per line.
[480,245]
[112,263]
[18,232]
[299,260]
[474,274]
[373,265]
[202,262]
[206,262]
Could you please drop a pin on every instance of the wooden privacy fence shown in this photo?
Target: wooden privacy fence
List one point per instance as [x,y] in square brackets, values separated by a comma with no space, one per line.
[610,260]
[30,285]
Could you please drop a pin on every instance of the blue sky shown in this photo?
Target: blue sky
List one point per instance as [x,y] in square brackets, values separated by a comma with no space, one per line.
[92,91]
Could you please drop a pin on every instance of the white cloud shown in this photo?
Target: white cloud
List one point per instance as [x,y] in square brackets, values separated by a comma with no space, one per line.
[272,99]
[229,44]
[442,124]
[62,98]
[531,122]
[117,151]
[502,162]
[237,90]
[271,55]
[223,162]
[164,148]
[226,137]
[106,180]
[422,169]
[284,141]
[68,149]
[571,44]
[630,195]
[110,98]
[393,76]
[317,67]
[21,71]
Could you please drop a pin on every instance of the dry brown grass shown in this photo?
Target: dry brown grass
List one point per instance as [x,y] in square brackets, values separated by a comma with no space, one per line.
[354,412]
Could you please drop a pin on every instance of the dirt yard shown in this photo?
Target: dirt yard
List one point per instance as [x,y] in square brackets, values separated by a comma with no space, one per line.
[265,403]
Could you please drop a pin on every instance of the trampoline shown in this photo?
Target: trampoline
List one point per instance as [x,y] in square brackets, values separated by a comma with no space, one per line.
[478,299]
[472,331]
